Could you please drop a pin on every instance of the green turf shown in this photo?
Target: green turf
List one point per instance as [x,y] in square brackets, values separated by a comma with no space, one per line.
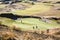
[36,22]
[29,24]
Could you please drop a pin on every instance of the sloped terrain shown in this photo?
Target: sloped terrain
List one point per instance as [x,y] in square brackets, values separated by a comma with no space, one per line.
[13,34]
[30,20]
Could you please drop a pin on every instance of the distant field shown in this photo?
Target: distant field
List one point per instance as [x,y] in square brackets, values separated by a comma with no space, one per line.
[34,9]
[39,9]
[30,24]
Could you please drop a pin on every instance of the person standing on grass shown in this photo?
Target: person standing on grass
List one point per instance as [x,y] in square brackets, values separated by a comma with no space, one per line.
[33,27]
[36,27]
[21,20]
[47,30]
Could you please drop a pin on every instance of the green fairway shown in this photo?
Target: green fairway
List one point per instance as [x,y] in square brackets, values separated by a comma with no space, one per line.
[29,24]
